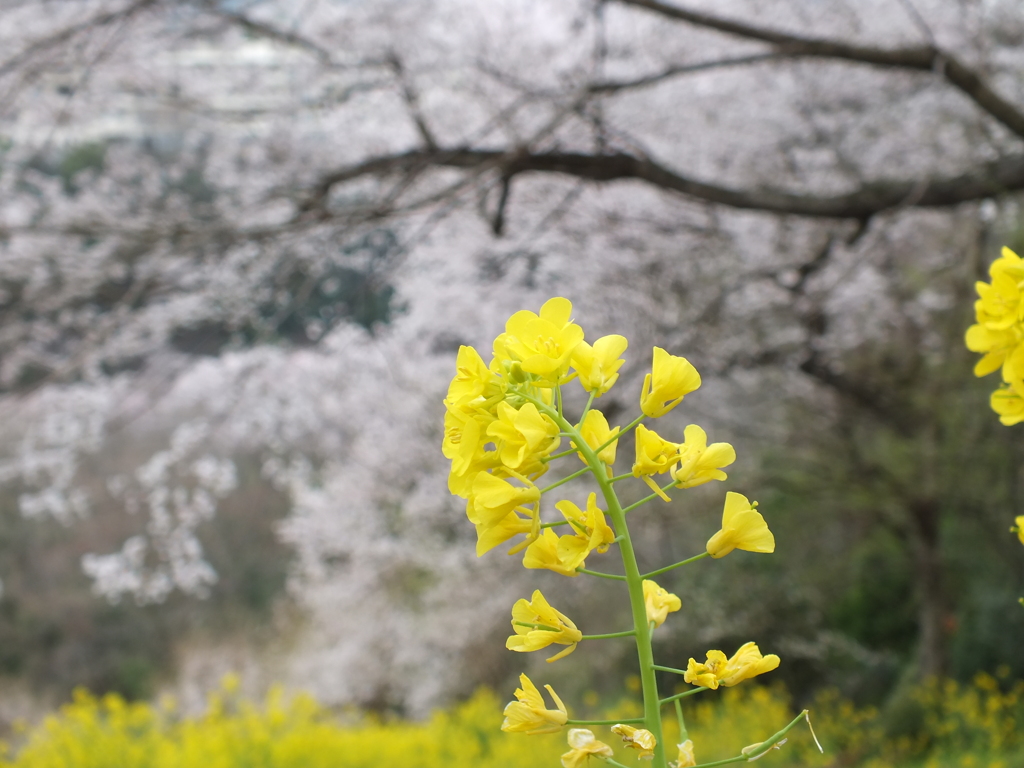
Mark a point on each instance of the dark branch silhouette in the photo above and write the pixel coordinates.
(928, 58)
(989, 180)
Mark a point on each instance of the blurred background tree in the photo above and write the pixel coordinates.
(240, 243)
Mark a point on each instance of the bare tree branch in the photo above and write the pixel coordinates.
(612, 86)
(63, 36)
(412, 102)
(927, 58)
(498, 222)
(871, 198)
(293, 39)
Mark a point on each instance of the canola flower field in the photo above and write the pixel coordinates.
(961, 726)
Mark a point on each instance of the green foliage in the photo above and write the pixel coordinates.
(877, 608)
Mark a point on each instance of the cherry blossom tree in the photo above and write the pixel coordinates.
(266, 227)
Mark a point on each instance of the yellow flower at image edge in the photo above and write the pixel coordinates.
(659, 602)
(718, 670)
(1019, 528)
(582, 745)
(1008, 405)
(537, 625)
(637, 738)
(742, 528)
(529, 715)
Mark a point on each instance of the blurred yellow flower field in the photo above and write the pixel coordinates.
(961, 726)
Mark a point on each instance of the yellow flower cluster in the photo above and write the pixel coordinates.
(504, 425)
(499, 442)
(998, 333)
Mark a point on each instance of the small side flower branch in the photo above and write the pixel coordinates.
(504, 426)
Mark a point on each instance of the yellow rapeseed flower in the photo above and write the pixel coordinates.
(564, 554)
(1009, 263)
(718, 670)
(464, 430)
(746, 663)
(1006, 402)
(637, 738)
(598, 365)
(1019, 528)
(544, 553)
(488, 537)
(537, 625)
(699, 462)
(671, 378)
(659, 602)
(473, 379)
(529, 715)
(997, 346)
(686, 757)
(591, 532)
(742, 528)
(595, 431)
(999, 304)
(523, 436)
(541, 344)
(583, 744)
(492, 499)
(706, 674)
(654, 455)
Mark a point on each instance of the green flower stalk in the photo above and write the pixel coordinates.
(504, 427)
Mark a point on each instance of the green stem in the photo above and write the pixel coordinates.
(668, 568)
(609, 635)
(634, 582)
(683, 733)
(565, 480)
(652, 497)
(605, 722)
(590, 402)
(613, 762)
(554, 456)
(602, 575)
(555, 524)
(764, 747)
(673, 670)
(683, 695)
(620, 433)
(620, 477)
